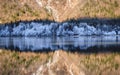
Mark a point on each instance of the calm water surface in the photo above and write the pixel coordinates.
(81, 43)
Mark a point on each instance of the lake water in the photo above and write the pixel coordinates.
(71, 43)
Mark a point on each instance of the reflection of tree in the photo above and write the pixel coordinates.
(117, 39)
(116, 29)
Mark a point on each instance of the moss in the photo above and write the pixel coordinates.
(116, 66)
(15, 55)
(31, 60)
(116, 4)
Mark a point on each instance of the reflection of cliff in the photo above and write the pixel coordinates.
(13, 10)
(60, 64)
(66, 43)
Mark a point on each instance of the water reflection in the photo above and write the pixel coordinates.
(83, 43)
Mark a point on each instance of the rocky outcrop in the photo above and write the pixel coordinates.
(60, 64)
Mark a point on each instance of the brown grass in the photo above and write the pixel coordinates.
(12, 63)
(22, 63)
(15, 10)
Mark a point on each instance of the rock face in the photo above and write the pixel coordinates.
(60, 64)
(14, 10)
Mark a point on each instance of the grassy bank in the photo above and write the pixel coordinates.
(26, 63)
(21, 63)
(15, 10)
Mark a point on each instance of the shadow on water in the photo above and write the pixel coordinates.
(83, 44)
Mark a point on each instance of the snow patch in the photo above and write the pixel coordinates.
(56, 29)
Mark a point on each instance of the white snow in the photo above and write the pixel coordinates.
(118, 32)
(109, 33)
(55, 29)
(5, 32)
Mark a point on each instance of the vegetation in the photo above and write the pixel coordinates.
(12, 10)
(102, 64)
(101, 8)
(12, 63)
(25, 63)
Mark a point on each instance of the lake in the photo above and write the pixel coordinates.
(68, 43)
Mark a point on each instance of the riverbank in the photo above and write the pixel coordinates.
(58, 62)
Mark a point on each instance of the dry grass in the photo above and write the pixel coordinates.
(17, 63)
(15, 10)
(22, 63)
(101, 64)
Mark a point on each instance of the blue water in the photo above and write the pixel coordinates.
(69, 43)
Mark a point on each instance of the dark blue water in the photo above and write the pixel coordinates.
(81, 43)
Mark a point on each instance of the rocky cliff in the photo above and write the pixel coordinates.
(58, 10)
